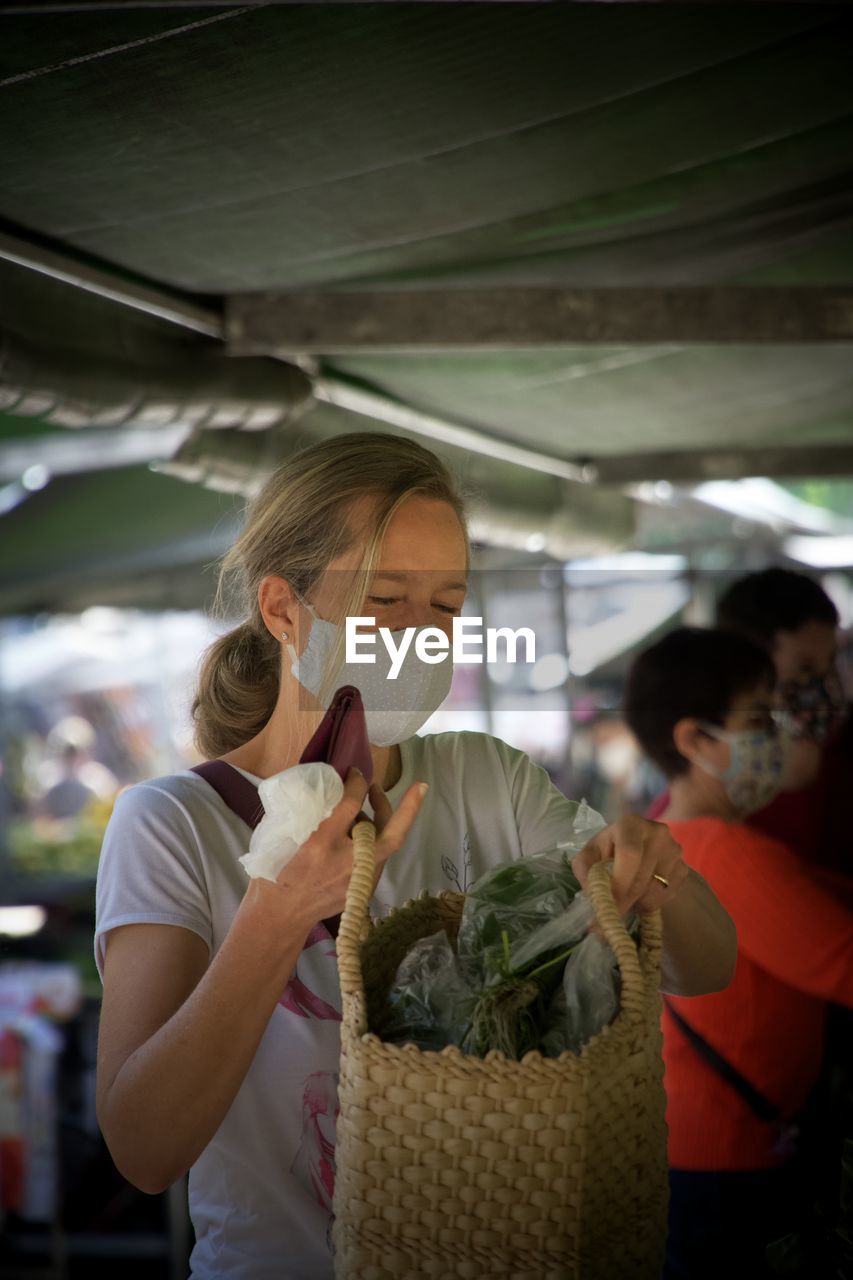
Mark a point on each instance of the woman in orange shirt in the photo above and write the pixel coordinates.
(700, 703)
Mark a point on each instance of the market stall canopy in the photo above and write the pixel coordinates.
(577, 247)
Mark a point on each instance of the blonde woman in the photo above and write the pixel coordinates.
(219, 1035)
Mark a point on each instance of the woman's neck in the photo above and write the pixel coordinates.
(691, 797)
(284, 737)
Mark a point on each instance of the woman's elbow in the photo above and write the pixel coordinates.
(145, 1175)
(715, 982)
(151, 1186)
(150, 1177)
(141, 1168)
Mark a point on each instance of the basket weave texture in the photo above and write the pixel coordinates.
(450, 1165)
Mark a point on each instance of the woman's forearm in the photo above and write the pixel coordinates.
(699, 942)
(170, 1096)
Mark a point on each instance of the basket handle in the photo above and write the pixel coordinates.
(599, 886)
(354, 921)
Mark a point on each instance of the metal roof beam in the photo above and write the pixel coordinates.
(445, 319)
(724, 464)
(109, 283)
(370, 404)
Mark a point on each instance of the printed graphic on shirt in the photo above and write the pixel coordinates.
(459, 880)
(314, 1162)
(304, 1003)
(297, 996)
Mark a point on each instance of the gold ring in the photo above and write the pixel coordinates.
(661, 880)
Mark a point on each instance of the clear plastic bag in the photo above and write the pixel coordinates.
(430, 1002)
(586, 1001)
(509, 906)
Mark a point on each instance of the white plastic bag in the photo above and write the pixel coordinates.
(295, 802)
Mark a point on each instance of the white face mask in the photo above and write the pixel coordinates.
(394, 709)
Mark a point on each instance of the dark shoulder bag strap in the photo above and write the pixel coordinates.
(755, 1100)
(241, 796)
(238, 792)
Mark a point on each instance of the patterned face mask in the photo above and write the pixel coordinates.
(754, 775)
(813, 709)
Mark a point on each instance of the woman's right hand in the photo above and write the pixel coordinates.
(316, 878)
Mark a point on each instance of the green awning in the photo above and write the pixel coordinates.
(207, 152)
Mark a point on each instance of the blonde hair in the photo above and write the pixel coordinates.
(295, 526)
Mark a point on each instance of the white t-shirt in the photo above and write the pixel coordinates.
(260, 1193)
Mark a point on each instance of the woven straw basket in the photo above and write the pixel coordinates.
(453, 1165)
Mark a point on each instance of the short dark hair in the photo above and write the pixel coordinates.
(692, 671)
(762, 604)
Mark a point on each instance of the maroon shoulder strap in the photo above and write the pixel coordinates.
(241, 796)
(238, 792)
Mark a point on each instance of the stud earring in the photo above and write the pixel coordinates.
(291, 652)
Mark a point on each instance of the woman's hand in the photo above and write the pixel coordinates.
(699, 938)
(317, 876)
(640, 850)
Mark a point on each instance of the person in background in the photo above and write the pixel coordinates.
(69, 795)
(740, 1063)
(795, 621)
(76, 777)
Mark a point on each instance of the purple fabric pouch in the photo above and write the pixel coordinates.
(341, 737)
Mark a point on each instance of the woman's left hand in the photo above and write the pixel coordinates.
(699, 937)
(640, 851)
